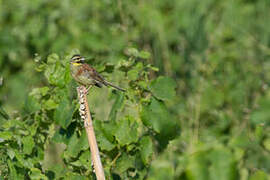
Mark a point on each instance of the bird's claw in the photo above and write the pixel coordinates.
(87, 90)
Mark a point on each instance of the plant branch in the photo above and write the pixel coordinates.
(86, 116)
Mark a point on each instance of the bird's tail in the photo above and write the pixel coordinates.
(106, 83)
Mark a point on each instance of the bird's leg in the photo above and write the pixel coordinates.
(88, 88)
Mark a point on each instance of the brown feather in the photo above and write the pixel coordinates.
(79, 71)
(93, 73)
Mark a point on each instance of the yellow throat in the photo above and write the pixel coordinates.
(76, 64)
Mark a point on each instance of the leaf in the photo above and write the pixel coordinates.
(31, 105)
(222, 164)
(259, 175)
(6, 135)
(55, 73)
(261, 115)
(50, 104)
(85, 158)
(132, 52)
(212, 97)
(36, 173)
(127, 131)
(266, 144)
(155, 115)
(10, 153)
(22, 161)
(161, 169)
(58, 170)
(241, 141)
(133, 74)
(197, 167)
(3, 114)
(146, 147)
(144, 55)
(75, 176)
(44, 90)
(52, 58)
(163, 88)
(116, 106)
(124, 162)
(28, 144)
(12, 170)
(63, 114)
(104, 143)
(104, 134)
(76, 144)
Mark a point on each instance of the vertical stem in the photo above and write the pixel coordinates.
(86, 116)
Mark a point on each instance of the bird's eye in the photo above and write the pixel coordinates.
(75, 57)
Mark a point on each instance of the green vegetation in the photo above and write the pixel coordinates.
(197, 76)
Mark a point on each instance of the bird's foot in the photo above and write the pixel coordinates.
(87, 90)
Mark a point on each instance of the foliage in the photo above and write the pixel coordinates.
(197, 79)
(51, 116)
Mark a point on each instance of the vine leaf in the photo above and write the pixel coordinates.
(163, 88)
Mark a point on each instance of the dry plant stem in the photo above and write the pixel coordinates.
(86, 116)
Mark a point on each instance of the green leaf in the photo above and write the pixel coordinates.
(85, 158)
(104, 134)
(31, 105)
(23, 161)
(266, 144)
(50, 104)
(163, 88)
(212, 97)
(74, 176)
(124, 162)
(261, 115)
(28, 144)
(56, 74)
(76, 144)
(63, 114)
(241, 141)
(3, 114)
(52, 58)
(6, 135)
(72, 149)
(116, 106)
(12, 170)
(10, 153)
(44, 90)
(197, 167)
(133, 74)
(104, 143)
(144, 55)
(259, 175)
(37, 174)
(146, 147)
(155, 115)
(127, 131)
(222, 164)
(161, 169)
(59, 170)
(67, 75)
(132, 52)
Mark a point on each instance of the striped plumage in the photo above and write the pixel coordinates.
(86, 75)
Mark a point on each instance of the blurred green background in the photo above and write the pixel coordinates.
(217, 52)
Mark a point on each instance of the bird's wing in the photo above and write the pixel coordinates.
(93, 73)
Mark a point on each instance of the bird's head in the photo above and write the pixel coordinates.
(77, 60)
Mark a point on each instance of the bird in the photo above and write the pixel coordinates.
(86, 75)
